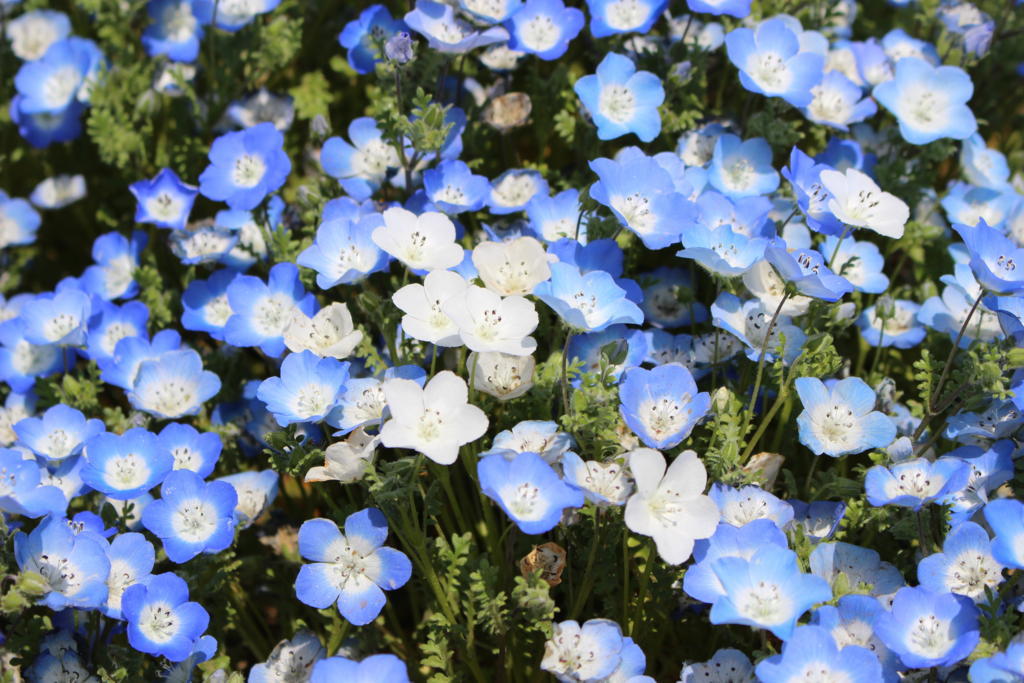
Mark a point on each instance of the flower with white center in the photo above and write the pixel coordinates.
(725, 666)
(513, 267)
(125, 465)
(609, 17)
(742, 168)
(363, 403)
(346, 461)
(669, 504)
(841, 420)
(544, 28)
(929, 102)
(768, 288)
(352, 569)
(929, 629)
(857, 566)
(192, 450)
(164, 200)
(260, 107)
(489, 322)
(59, 433)
(662, 405)
(16, 407)
(192, 516)
(256, 492)
(749, 321)
(173, 385)
(588, 302)
(34, 32)
(590, 652)
(858, 202)
(435, 419)
(743, 505)
(772, 63)
(837, 102)
(291, 660)
(262, 311)
(74, 568)
(245, 166)
(602, 483)
(161, 620)
(622, 100)
(25, 488)
(528, 489)
(811, 654)
(501, 375)
(423, 306)
(914, 483)
(330, 333)
(850, 623)
(362, 166)
(52, 83)
(58, 318)
(308, 388)
(965, 566)
(448, 33)
(513, 189)
(700, 582)
(131, 561)
(424, 242)
(204, 245)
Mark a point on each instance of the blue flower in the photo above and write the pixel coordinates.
(948, 312)
(700, 582)
(590, 302)
(609, 17)
(192, 450)
(20, 221)
(965, 566)
(928, 102)
(176, 31)
(351, 569)
(837, 102)
(131, 561)
(915, 482)
(127, 465)
(362, 166)
(858, 565)
(669, 295)
(749, 320)
(891, 324)
(590, 652)
(849, 623)
(812, 649)
(536, 436)
(343, 252)
(994, 258)
(308, 389)
(192, 516)
(990, 469)
(262, 310)
(1000, 667)
(74, 567)
(819, 519)
(232, 17)
(173, 385)
(110, 324)
(721, 250)
(362, 402)
(362, 35)
(662, 405)
(744, 505)
(804, 175)
(164, 200)
(748, 216)
(929, 629)
(448, 33)
(386, 668)
(861, 263)
(983, 165)
(22, 493)
(1006, 517)
(206, 304)
(161, 620)
(590, 351)
(527, 489)
(52, 83)
(726, 659)
(59, 318)
(122, 369)
(36, 30)
(558, 217)
(256, 492)
(245, 166)
(807, 270)
(772, 63)
(453, 188)
(544, 28)
(116, 259)
(742, 168)
(841, 420)
(491, 11)
(512, 190)
(968, 204)
(733, 8)
(59, 433)
(620, 99)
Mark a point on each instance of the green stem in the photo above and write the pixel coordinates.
(588, 573)
(760, 364)
(565, 374)
(952, 352)
(835, 252)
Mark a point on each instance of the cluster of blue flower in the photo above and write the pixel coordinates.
(785, 266)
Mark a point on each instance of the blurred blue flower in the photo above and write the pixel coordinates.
(620, 99)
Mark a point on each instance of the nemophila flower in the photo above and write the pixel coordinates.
(749, 321)
(173, 385)
(363, 402)
(929, 102)
(983, 165)
(423, 305)
(588, 652)
(772, 63)
(893, 324)
(1002, 666)
(512, 267)
(662, 405)
(122, 368)
(32, 33)
(741, 506)
(59, 433)
(965, 566)
(261, 312)
(836, 102)
(899, 45)
(330, 333)
(489, 322)
(131, 559)
(501, 375)
(111, 323)
(732, 664)
(447, 33)
(620, 99)
(858, 202)
(161, 620)
(544, 28)
(19, 222)
(804, 176)
(948, 312)
(558, 217)
(733, 8)
(53, 82)
(74, 567)
(125, 465)
(588, 302)
(346, 461)
(811, 653)
(841, 420)
(700, 582)
(721, 250)
(602, 483)
(747, 216)
(860, 263)
(1006, 517)
(513, 189)
(343, 251)
(363, 36)
(766, 591)
(535, 436)
(850, 623)
(192, 516)
(175, 31)
(256, 492)
(527, 488)
(424, 242)
(860, 566)
(608, 17)
(991, 467)
(17, 406)
(819, 519)
(435, 419)
(453, 188)
(290, 659)
(307, 389)
(351, 569)
(59, 318)
(232, 16)
(21, 492)
(742, 168)
(808, 271)
(382, 668)
(929, 629)
(361, 166)
(204, 244)
(245, 166)
(192, 450)
(915, 482)
(669, 504)
(21, 361)
(610, 351)
(262, 106)
(116, 258)
(1001, 419)
(965, 203)
(994, 258)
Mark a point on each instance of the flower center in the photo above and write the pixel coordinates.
(763, 602)
(248, 171)
(195, 520)
(127, 472)
(540, 33)
(617, 103)
(158, 622)
(929, 636)
(664, 416)
(625, 14)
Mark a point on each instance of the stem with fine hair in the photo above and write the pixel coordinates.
(565, 374)
(760, 363)
(952, 353)
(835, 252)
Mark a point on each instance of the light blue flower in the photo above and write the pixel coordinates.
(362, 35)
(590, 351)
(748, 216)
(772, 63)
(812, 649)
(915, 482)
(700, 582)
(232, 17)
(542, 437)
(726, 659)
(308, 388)
(116, 258)
(928, 102)
(111, 323)
(59, 318)
(807, 271)
(53, 83)
(610, 17)
(19, 220)
(991, 467)
(512, 190)
(849, 623)
(262, 310)
(42, 129)
(386, 668)
(129, 354)
(175, 31)
(1000, 667)
(948, 312)
(994, 258)
(983, 165)
(245, 166)
(256, 492)
(21, 492)
(206, 304)
(343, 251)
(749, 321)
(192, 450)
(558, 217)
(131, 561)
(721, 250)
(898, 327)
(804, 175)
(965, 566)
(362, 402)
(970, 204)
(192, 516)
(448, 33)
(662, 405)
(588, 303)
(929, 629)
(622, 100)
(161, 620)
(819, 519)
(352, 569)
(74, 567)
(588, 652)
(164, 200)
(1006, 517)
(669, 298)
(836, 102)
(124, 466)
(361, 166)
(173, 385)
(858, 565)
(527, 489)
(841, 420)
(454, 189)
(742, 168)
(544, 28)
(733, 8)
(743, 505)
(860, 263)
(59, 433)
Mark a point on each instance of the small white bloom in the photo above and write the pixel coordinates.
(501, 375)
(58, 191)
(859, 202)
(765, 284)
(513, 267)
(346, 461)
(330, 333)
(423, 306)
(424, 242)
(488, 322)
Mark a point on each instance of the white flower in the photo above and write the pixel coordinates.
(765, 284)
(330, 333)
(346, 461)
(501, 375)
(488, 322)
(424, 317)
(669, 506)
(859, 202)
(424, 242)
(434, 420)
(513, 267)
